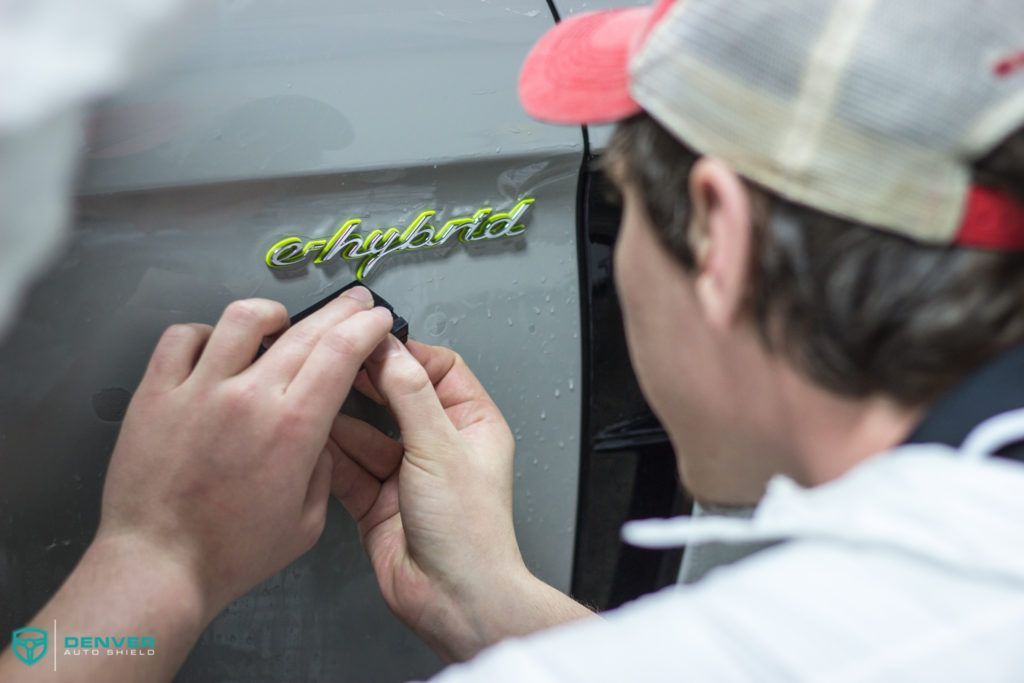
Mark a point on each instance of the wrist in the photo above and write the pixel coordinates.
(126, 589)
(156, 580)
(509, 604)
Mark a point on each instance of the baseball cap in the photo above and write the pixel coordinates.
(869, 110)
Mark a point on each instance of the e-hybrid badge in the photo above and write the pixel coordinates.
(369, 248)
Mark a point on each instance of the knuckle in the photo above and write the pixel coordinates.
(175, 344)
(253, 312)
(343, 342)
(303, 337)
(291, 424)
(348, 302)
(276, 309)
(240, 397)
(458, 361)
(178, 334)
(242, 312)
(411, 378)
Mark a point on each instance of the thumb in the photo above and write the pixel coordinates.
(314, 508)
(405, 386)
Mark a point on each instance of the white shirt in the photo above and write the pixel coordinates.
(908, 568)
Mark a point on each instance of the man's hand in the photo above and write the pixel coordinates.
(435, 511)
(221, 463)
(219, 479)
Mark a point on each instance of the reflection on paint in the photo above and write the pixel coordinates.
(368, 249)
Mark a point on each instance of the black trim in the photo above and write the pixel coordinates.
(586, 364)
(554, 11)
(627, 466)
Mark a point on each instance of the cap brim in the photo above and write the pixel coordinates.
(578, 72)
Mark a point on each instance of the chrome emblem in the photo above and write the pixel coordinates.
(349, 244)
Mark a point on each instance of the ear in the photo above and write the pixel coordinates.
(720, 234)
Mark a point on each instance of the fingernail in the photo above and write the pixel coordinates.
(360, 294)
(384, 313)
(389, 347)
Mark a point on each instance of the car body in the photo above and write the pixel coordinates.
(283, 123)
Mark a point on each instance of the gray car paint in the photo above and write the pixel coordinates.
(285, 117)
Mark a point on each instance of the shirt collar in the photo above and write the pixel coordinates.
(925, 500)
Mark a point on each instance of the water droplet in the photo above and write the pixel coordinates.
(510, 322)
(572, 385)
(436, 323)
(543, 415)
(558, 393)
(561, 444)
(547, 297)
(532, 328)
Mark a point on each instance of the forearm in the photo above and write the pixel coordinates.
(118, 590)
(518, 605)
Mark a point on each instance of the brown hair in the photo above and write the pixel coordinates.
(859, 310)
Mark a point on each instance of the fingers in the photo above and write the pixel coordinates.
(326, 377)
(237, 336)
(439, 362)
(289, 353)
(356, 488)
(315, 506)
(436, 360)
(371, 449)
(175, 355)
(464, 398)
(364, 386)
(454, 381)
(400, 378)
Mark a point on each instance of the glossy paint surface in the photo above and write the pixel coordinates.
(285, 118)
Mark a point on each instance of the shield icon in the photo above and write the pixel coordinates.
(29, 644)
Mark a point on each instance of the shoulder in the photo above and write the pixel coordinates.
(808, 609)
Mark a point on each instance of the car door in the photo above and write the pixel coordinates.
(285, 120)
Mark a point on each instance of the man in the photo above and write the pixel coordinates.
(819, 260)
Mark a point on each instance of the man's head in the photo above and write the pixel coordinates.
(810, 213)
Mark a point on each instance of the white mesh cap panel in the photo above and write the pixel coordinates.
(870, 109)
